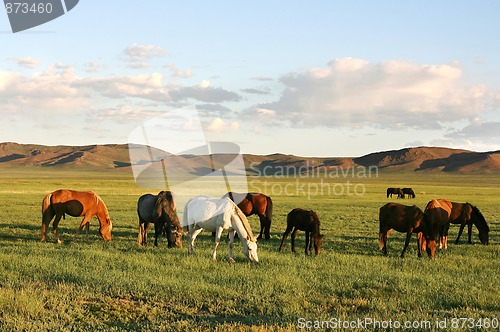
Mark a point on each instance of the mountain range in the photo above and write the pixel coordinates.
(116, 157)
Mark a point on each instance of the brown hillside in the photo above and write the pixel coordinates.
(116, 156)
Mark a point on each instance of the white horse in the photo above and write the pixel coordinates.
(215, 215)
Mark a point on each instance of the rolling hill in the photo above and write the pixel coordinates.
(116, 157)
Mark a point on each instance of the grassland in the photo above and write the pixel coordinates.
(116, 286)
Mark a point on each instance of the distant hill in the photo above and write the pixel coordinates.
(116, 157)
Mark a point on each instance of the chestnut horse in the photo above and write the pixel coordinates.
(255, 203)
(303, 220)
(76, 204)
(464, 214)
(402, 218)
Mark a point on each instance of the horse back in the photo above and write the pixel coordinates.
(400, 217)
(145, 206)
(304, 220)
(74, 203)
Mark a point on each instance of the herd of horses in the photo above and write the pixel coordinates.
(400, 192)
(230, 213)
(200, 213)
(431, 225)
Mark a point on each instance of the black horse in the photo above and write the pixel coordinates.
(409, 192)
(394, 191)
(161, 211)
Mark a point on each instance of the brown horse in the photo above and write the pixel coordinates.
(464, 214)
(165, 218)
(255, 203)
(438, 221)
(402, 218)
(303, 220)
(76, 204)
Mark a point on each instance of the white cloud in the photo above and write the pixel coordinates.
(477, 136)
(139, 56)
(392, 94)
(27, 62)
(219, 125)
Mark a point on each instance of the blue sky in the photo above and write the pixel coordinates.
(322, 78)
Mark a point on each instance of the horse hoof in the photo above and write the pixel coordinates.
(231, 260)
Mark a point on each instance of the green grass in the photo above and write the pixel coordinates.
(120, 286)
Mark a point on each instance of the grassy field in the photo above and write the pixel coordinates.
(116, 286)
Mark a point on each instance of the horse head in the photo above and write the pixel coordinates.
(250, 250)
(318, 242)
(480, 222)
(105, 229)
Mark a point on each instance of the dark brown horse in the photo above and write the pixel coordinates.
(402, 218)
(465, 214)
(161, 211)
(438, 221)
(394, 191)
(165, 218)
(255, 203)
(303, 220)
(76, 204)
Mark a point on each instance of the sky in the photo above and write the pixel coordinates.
(315, 78)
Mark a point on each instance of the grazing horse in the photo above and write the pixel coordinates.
(402, 218)
(465, 214)
(395, 191)
(438, 221)
(161, 211)
(303, 220)
(255, 203)
(409, 192)
(216, 215)
(76, 204)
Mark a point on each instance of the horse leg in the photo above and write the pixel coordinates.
(443, 240)
(55, 224)
(470, 233)
(85, 222)
(262, 226)
(462, 226)
(294, 235)
(407, 242)
(218, 234)
(46, 218)
(231, 246)
(193, 233)
(420, 237)
(383, 235)
(158, 229)
(267, 228)
(285, 235)
(308, 244)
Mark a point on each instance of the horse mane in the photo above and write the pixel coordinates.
(244, 221)
(479, 221)
(165, 203)
(316, 224)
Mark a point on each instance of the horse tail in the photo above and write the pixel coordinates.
(269, 209)
(381, 234)
(46, 203)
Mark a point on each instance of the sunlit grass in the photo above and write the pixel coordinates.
(118, 285)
